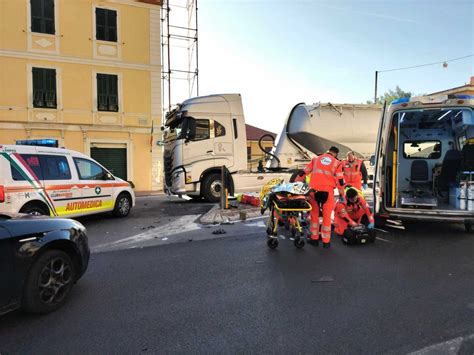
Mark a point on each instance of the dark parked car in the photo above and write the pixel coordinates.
(40, 260)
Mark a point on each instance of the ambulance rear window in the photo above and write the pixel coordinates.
(24, 167)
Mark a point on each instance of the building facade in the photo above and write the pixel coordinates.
(87, 73)
(254, 153)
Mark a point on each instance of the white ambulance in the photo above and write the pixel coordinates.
(39, 178)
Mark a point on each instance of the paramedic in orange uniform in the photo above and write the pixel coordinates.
(352, 212)
(354, 171)
(325, 175)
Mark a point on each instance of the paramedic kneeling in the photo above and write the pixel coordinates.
(325, 173)
(351, 213)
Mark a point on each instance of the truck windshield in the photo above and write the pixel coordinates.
(175, 128)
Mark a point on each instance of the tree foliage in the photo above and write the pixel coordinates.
(391, 95)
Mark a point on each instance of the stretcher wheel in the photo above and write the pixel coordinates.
(272, 243)
(299, 243)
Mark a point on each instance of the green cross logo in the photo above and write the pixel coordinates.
(98, 190)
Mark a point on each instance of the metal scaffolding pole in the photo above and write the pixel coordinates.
(179, 32)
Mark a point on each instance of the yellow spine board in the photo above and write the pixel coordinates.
(394, 167)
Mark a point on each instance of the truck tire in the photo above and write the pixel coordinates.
(212, 187)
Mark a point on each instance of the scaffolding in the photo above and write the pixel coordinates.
(179, 52)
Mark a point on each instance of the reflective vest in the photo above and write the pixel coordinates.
(356, 210)
(325, 171)
(352, 173)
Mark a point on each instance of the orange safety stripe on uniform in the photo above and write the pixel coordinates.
(325, 172)
(324, 228)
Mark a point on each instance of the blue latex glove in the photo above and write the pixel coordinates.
(341, 199)
(371, 226)
(365, 186)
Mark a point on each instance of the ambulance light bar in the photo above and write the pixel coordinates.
(39, 142)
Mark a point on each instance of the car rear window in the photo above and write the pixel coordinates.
(32, 161)
(45, 167)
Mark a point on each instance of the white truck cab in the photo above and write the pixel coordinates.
(36, 177)
(424, 161)
(202, 135)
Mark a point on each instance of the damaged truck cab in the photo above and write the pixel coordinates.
(202, 135)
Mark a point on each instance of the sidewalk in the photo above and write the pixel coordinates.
(149, 193)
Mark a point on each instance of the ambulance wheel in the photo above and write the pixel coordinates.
(272, 243)
(123, 205)
(299, 243)
(35, 209)
(468, 226)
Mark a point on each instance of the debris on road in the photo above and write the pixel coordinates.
(324, 279)
(219, 231)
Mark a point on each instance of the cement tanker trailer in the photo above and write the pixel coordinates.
(311, 129)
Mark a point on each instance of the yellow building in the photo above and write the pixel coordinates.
(88, 73)
(254, 153)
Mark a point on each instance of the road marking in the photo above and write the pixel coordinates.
(180, 225)
(384, 240)
(448, 347)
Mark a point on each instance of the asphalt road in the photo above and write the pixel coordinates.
(149, 213)
(232, 294)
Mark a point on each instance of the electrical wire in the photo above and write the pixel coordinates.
(425, 65)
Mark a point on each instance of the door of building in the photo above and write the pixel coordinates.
(113, 159)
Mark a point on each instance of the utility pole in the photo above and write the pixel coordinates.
(376, 79)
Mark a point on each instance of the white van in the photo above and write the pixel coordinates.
(424, 166)
(38, 179)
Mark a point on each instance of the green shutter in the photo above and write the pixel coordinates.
(114, 159)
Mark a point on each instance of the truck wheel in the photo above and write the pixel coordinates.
(35, 210)
(49, 282)
(123, 205)
(212, 187)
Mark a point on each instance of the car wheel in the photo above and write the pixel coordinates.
(35, 210)
(123, 205)
(212, 187)
(49, 282)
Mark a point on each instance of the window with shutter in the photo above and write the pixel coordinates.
(107, 92)
(106, 24)
(44, 88)
(42, 16)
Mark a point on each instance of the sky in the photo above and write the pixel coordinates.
(282, 52)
